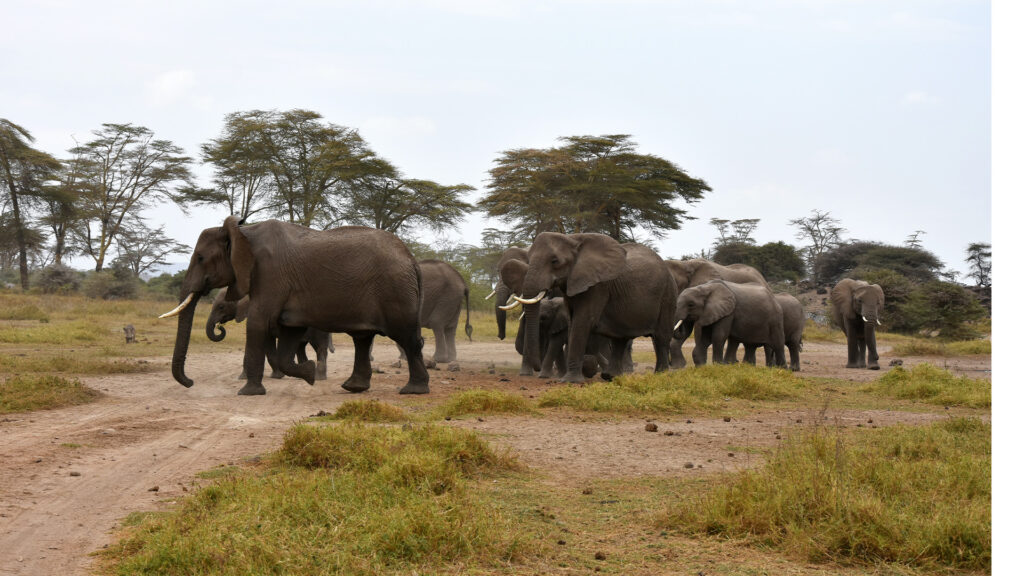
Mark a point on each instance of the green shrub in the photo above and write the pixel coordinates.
(369, 411)
(114, 284)
(483, 402)
(918, 496)
(58, 279)
(933, 385)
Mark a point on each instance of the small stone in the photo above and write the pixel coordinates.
(669, 433)
(561, 542)
(599, 556)
(154, 489)
(799, 420)
(651, 427)
(731, 455)
(689, 421)
(727, 419)
(252, 434)
(74, 473)
(778, 437)
(871, 421)
(688, 465)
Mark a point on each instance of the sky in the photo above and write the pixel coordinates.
(876, 111)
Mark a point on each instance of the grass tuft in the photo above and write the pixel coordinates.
(933, 385)
(344, 498)
(28, 311)
(483, 402)
(677, 391)
(369, 411)
(921, 347)
(25, 393)
(910, 495)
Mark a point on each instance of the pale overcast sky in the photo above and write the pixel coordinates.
(877, 111)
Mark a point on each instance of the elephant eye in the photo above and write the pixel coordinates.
(554, 260)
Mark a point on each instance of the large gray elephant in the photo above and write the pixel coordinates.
(792, 324)
(224, 311)
(720, 311)
(619, 291)
(352, 279)
(444, 290)
(697, 271)
(857, 308)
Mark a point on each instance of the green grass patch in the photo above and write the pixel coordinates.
(918, 496)
(933, 385)
(814, 332)
(24, 312)
(74, 364)
(31, 392)
(922, 347)
(677, 391)
(369, 411)
(63, 333)
(483, 402)
(342, 498)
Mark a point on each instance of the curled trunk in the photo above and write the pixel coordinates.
(181, 343)
(211, 326)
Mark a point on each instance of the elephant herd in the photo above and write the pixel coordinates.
(585, 298)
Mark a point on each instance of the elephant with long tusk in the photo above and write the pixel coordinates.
(857, 307)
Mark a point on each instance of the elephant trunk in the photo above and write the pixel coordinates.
(684, 329)
(181, 343)
(532, 343)
(502, 294)
(211, 325)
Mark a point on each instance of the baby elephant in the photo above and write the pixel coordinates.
(129, 334)
(793, 324)
(719, 311)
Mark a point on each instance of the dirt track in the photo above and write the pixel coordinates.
(68, 476)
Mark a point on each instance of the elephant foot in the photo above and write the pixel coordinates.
(321, 373)
(526, 371)
(415, 388)
(242, 376)
(607, 376)
(590, 366)
(277, 374)
(307, 371)
(794, 368)
(873, 367)
(854, 365)
(252, 390)
(356, 385)
(571, 378)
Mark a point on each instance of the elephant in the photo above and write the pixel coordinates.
(697, 271)
(856, 307)
(443, 293)
(793, 326)
(502, 291)
(618, 291)
(352, 279)
(224, 311)
(718, 311)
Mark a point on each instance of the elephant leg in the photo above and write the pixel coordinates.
(560, 365)
(288, 343)
(412, 343)
(662, 344)
(257, 343)
(579, 333)
(861, 353)
(449, 337)
(615, 363)
(275, 366)
(359, 381)
(794, 356)
(320, 346)
(851, 344)
(627, 358)
(675, 350)
(719, 336)
(732, 346)
(701, 341)
(872, 359)
(553, 349)
(440, 346)
(750, 355)
(525, 367)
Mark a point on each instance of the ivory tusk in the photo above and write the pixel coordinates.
(180, 307)
(879, 322)
(521, 315)
(865, 319)
(678, 324)
(507, 307)
(491, 295)
(538, 298)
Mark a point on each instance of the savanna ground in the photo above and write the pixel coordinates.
(586, 488)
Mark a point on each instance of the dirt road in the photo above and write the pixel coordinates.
(68, 476)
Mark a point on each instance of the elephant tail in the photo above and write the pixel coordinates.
(330, 342)
(469, 328)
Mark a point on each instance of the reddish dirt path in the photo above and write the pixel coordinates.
(68, 476)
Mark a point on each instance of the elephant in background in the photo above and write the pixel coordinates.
(792, 324)
(351, 279)
(224, 311)
(721, 311)
(443, 293)
(697, 271)
(857, 307)
(618, 291)
(503, 290)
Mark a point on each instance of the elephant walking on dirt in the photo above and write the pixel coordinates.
(857, 308)
(697, 271)
(444, 291)
(224, 311)
(352, 279)
(619, 291)
(792, 325)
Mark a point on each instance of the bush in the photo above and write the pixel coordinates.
(775, 261)
(58, 279)
(914, 263)
(114, 284)
(945, 307)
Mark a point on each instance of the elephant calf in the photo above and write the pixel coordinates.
(792, 324)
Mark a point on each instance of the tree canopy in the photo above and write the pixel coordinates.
(856, 258)
(589, 184)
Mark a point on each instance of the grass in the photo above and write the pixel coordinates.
(74, 363)
(34, 392)
(343, 498)
(922, 347)
(934, 386)
(483, 402)
(903, 495)
(701, 388)
(369, 411)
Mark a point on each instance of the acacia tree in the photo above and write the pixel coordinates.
(824, 233)
(590, 184)
(122, 171)
(140, 248)
(23, 173)
(979, 257)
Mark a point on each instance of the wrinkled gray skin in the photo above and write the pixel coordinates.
(224, 311)
(444, 291)
(720, 311)
(857, 308)
(352, 279)
(697, 271)
(619, 291)
(792, 324)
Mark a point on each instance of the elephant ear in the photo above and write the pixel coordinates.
(242, 260)
(599, 258)
(842, 298)
(719, 302)
(512, 274)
